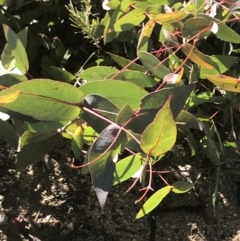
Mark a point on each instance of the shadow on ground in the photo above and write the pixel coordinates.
(59, 204)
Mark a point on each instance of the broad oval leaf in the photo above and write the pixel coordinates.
(160, 136)
(118, 92)
(8, 98)
(46, 100)
(182, 187)
(152, 102)
(198, 27)
(153, 201)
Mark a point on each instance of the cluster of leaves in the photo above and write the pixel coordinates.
(177, 57)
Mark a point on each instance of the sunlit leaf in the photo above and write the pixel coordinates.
(182, 187)
(224, 32)
(8, 98)
(124, 115)
(160, 136)
(51, 101)
(225, 82)
(126, 167)
(123, 62)
(154, 201)
(167, 18)
(197, 57)
(129, 20)
(118, 92)
(97, 73)
(145, 35)
(153, 64)
(77, 142)
(223, 62)
(17, 49)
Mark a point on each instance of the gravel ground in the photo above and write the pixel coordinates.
(60, 204)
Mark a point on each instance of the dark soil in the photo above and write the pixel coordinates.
(58, 203)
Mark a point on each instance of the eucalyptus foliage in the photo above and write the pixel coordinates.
(165, 60)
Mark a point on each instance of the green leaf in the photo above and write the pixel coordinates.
(39, 127)
(123, 62)
(7, 59)
(138, 78)
(97, 73)
(102, 106)
(8, 132)
(29, 137)
(58, 74)
(129, 20)
(167, 18)
(211, 149)
(46, 100)
(189, 120)
(23, 36)
(89, 134)
(8, 80)
(204, 97)
(34, 152)
(126, 168)
(198, 27)
(154, 201)
(225, 33)
(199, 5)
(225, 82)
(100, 159)
(109, 21)
(124, 115)
(223, 62)
(157, 99)
(17, 49)
(145, 35)
(182, 187)
(153, 64)
(118, 92)
(152, 102)
(160, 136)
(198, 57)
(77, 142)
